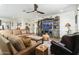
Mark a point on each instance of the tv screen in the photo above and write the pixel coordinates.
(47, 25)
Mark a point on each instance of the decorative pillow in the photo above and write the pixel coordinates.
(14, 51)
(26, 41)
(17, 43)
(6, 35)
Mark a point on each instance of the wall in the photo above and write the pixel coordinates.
(34, 27)
(5, 22)
(24, 20)
(78, 21)
(66, 17)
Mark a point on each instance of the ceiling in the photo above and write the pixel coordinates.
(16, 10)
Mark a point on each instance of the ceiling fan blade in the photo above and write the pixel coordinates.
(30, 12)
(40, 12)
(24, 10)
(35, 9)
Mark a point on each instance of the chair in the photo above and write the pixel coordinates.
(58, 49)
(71, 47)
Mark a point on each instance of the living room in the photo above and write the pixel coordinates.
(39, 29)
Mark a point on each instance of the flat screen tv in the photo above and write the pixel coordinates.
(47, 25)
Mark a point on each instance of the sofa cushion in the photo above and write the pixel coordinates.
(4, 45)
(8, 46)
(16, 42)
(26, 40)
(29, 50)
(6, 35)
(13, 50)
(6, 31)
(23, 31)
(17, 32)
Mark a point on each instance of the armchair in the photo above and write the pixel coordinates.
(71, 47)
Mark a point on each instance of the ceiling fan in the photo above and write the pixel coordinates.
(35, 10)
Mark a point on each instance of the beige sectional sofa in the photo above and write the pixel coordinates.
(16, 42)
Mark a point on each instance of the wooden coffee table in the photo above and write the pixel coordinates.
(41, 50)
(33, 37)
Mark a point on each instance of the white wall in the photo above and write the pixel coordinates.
(5, 22)
(78, 21)
(35, 28)
(66, 17)
(24, 20)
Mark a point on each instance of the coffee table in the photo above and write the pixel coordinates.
(36, 38)
(33, 37)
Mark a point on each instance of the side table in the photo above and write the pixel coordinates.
(41, 50)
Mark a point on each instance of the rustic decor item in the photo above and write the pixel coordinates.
(68, 27)
(42, 50)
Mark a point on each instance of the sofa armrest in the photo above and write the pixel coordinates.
(28, 50)
(61, 44)
(60, 49)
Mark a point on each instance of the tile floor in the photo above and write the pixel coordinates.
(48, 43)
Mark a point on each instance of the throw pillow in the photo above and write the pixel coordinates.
(17, 43)
(26, 41)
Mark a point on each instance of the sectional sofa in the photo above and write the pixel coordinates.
(17, 42)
